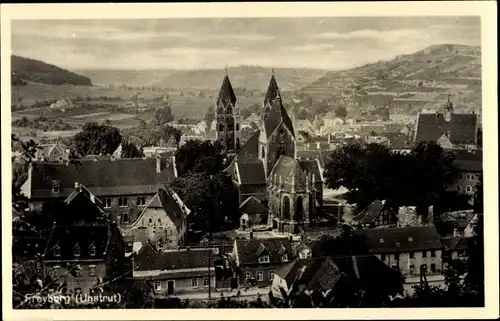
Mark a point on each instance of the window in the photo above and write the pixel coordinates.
(412, 269)
(237, 126)
(56, 186)
(284, 257)
(382, 257)
(122, 201)
(150, 221)
(433, 253)
(423, 267)
(458, 188)
(271, 275)
(221, 127)
(194, 283)
(412, 255)
(468, 189)
(57, 251)
(125, 218)
(260, 276)
(248, 275)
(206, 282)
(159, 222)
(460, 176)
(92, 250)
(76, 250)
(107, 202)
(141, 200)
(157, 286)
(433, 267)
(91, 270)
(264, 259)
(424, 254)
(469, 177)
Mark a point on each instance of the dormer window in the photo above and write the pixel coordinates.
(57, 251)
(92, 250)
(76, 251)
(264, 259)
(381, 241)
(284, 257)
(56, 186)
(410, 239)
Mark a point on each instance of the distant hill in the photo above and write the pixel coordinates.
(248, 77)
(24, 69)
(408, 83)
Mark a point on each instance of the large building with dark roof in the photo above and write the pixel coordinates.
(266, 166)
(449, 129)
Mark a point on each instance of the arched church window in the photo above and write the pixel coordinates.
(263, 152)
(237, 143)
(237, 127)
(311, 204)
(299, 209)
(221, 127)
(286, 208)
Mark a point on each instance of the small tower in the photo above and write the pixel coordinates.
(272, 94)
(227, 116)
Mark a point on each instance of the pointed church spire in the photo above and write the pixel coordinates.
(225, 69)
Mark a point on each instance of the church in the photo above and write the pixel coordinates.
(265, 167)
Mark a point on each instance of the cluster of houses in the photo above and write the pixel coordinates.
(120, 217)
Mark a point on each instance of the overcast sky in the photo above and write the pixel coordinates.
(329, 43)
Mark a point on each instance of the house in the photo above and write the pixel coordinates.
(469, 165)
(129, 104)
(323, 279)
(123, 185)
(304, 125)
(258, 259)
(454, 247)
(176, 272)
(254, 213)
(200, 128)
(52, 153)
(448, 129)
(409, 247)
(155, 151)
(162, 222)
(247, 122)
(84, 248)
(377, 214)
(455, 223)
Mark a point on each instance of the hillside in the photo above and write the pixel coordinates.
(24, 69)
(248, 77)
(407, 83)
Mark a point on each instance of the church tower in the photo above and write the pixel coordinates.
(227, 116)
(273, 94)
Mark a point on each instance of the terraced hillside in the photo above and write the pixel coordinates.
(407, 83)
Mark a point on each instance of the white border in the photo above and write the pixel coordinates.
(485, 9)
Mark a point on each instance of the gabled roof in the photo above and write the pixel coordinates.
(226, 93)
(461, 127)
(83, 236)
(249, 152)
(248, 250)
(385, 240)
(312, 167)
(252, 173)
(173, 206)
(288, 168)
(276, 116)
(148, 259)
(253, 205)
(454, 243)
(104, 177)
(371, 212)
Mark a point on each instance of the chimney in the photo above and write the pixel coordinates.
(158, 164)
(455, 232)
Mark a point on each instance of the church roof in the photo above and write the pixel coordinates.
(286, 168)
(276, 116)
(252, 173)
(461, 127)
(249, 152)
(226, 93)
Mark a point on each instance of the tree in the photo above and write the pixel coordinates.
(373, 172)
(199, 157)
(163, 115)
(97, 139)
(130, 150)
(341, 112)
